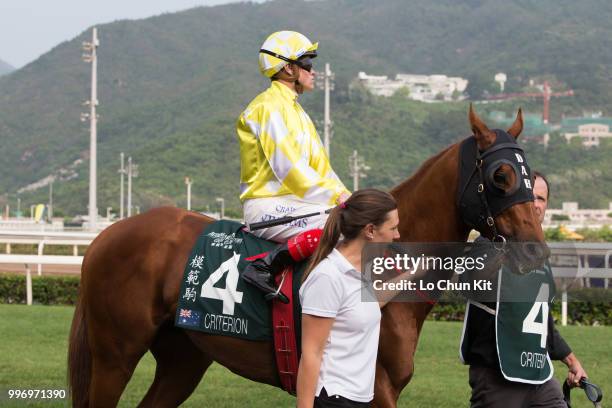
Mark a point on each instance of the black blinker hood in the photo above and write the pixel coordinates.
(475, 209)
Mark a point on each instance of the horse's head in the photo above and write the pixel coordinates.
(495, 192)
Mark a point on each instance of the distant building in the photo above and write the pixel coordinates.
(425, 88)
(590, 130)
(573, 216)
(534, 128)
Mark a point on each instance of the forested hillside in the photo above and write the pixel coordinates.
(171, 87)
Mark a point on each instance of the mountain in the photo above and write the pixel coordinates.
(171, 87)
(5, 68)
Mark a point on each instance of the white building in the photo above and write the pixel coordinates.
(590, 134)
(591, 130)
(426, 88)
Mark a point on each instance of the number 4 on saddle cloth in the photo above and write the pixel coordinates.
(214, 299)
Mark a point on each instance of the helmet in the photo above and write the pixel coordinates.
(283, 47)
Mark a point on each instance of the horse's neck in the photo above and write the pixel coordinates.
(426, 201)
(428, 213)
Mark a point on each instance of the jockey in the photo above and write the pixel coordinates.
(284, 168)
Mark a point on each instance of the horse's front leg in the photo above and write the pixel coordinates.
(399, 333)
(385, 393)
(390, 381)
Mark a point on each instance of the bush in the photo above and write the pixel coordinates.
(603, 234)
(450, 308)
(553, 235)
(46, 290)
(448, 312)
(586, 306)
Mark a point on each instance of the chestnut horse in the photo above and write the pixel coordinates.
(132, 274)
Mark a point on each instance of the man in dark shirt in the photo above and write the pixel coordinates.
(480, 348)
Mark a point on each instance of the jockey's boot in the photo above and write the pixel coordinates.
(260, 273)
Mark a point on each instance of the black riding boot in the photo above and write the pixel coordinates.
(260, 273)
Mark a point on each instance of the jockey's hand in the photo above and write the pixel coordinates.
(343, 197)
(576, 372)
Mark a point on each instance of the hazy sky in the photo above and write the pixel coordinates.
(29, 28)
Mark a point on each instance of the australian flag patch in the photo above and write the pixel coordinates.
(189, 317)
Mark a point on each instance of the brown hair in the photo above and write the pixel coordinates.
(367, 206)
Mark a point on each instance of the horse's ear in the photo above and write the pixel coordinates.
(517, 127)
(484, 136)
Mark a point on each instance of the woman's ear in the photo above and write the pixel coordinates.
(369, 231)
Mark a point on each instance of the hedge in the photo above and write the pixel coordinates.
(587, 306)
(46, 290)
(603, 234)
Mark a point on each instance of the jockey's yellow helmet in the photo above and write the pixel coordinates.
(283, 47)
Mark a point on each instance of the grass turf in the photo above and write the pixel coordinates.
(33, 344)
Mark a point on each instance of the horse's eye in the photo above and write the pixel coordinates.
(499, 178)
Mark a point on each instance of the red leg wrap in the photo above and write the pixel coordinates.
(304, 244)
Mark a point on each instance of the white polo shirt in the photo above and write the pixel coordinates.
(334, 289)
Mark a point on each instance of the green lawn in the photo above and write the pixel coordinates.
(33, 343)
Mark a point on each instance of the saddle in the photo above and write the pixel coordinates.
(214, 299)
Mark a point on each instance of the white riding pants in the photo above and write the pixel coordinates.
(266, 209)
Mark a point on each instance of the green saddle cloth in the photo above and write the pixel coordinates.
(214, 299)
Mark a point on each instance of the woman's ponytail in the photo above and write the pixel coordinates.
(329, 240)
(367, 206)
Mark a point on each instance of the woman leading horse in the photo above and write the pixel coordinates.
(340, 330)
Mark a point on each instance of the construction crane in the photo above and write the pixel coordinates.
(546, 94)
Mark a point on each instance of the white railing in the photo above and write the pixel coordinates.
(45, 238)
(570, 263)
(57, 225)
(49, 234)
(576, 254)
(24, 224)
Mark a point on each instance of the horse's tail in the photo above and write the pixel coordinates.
(79, 358)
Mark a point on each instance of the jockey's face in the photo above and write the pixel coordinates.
(306, 78)
(388, 230)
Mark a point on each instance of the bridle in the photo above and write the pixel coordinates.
(479, 200)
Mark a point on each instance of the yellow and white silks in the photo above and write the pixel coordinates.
(281, 156)
(281, 153)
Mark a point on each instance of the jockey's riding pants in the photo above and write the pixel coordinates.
(266, 209)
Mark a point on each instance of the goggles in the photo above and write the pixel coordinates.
(305, 62)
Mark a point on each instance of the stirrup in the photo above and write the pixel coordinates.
(278, 294)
